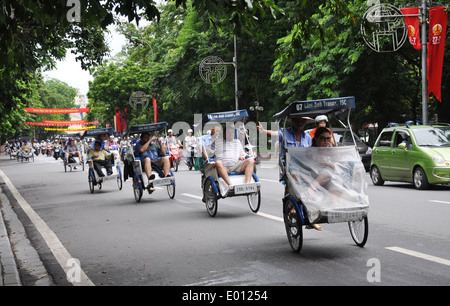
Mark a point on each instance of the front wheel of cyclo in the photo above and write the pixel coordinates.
(359, 231)
(293, 225)
(254, 201)
(171, 190)
(91, 181)
(210, 197)
(137, 188)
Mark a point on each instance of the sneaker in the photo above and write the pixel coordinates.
(152, 177)
(109, 173)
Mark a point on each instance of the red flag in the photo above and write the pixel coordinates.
(436, 47)
(154, 107)
(412, 24)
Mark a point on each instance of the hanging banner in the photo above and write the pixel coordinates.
(71, 130)
(412, 24)
(436, 47)
(59, 124)
(57, 110)
(69, 122)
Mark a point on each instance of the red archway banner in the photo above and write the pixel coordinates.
(68, 122)
(57, 110)
(59, 124)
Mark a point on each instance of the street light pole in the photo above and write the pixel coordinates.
(424, 63)
(143, 42)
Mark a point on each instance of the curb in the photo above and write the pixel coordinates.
(8, 267)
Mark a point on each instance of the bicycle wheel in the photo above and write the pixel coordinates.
(171, 190)
(254, 201)
(359, 231)
(137, 188)
(210, 198)
(292, 224)
(91, 181)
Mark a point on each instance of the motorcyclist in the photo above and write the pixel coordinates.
(189, 142)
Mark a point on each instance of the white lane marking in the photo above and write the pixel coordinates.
(270, 216)
(437, 201)
(258, 213)
(56, 247)
(272, 181)
(192, 196)
(420, 255)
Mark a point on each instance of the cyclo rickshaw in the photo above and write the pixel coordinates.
(71, 162)
(140, 180)
(213, 186)
(343, 197)
(93, 178)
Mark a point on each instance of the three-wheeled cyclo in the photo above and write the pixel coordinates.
(213, 185)
(323, 184)
(94, 179)
(136, 166)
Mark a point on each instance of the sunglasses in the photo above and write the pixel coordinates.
(323, 138)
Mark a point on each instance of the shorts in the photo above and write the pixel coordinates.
(236, 167)
(154, 161)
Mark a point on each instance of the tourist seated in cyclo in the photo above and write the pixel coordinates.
(231, 157)
(150, 149)
(72, 149)
(100, 158)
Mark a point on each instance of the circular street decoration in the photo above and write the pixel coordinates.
(139, 98)
(383, 28)
(213, 69)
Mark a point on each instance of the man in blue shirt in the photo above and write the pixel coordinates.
(151, 149)
(295, 135)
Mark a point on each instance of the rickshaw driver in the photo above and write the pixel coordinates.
(295, 135)
(152, 149)
(230, 157)
(208, 139)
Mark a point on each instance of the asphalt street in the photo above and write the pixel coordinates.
(174, 242)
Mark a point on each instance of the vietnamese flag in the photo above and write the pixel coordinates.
(412, 24)
(436, 48)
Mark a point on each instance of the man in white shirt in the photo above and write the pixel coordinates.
(230, 157)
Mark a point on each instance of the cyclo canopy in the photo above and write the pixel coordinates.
(329, 181)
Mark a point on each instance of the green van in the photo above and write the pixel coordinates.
(419, 154)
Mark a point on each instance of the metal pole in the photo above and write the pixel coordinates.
(424, 64)
(235, 76)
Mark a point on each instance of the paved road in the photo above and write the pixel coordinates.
(160, 241)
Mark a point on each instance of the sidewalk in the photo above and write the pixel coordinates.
(9, 273)
(20, 264)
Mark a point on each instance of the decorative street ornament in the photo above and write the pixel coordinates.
(383, 28)
(213, 69)
(139, 98)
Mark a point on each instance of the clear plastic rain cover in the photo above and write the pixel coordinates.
(330, 182)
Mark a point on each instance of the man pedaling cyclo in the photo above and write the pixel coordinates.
(151, 149)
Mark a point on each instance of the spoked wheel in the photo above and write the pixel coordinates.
(137, 188)
(210, 198)
(119, 183)
(91, 181)
(119, 178)
(293, 226)
(359, 231)
(254, 201)
(171, 190)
